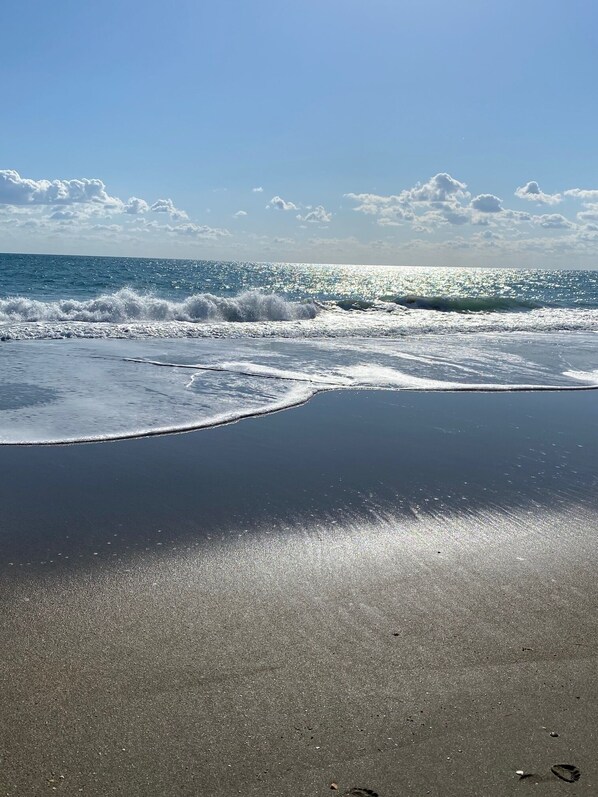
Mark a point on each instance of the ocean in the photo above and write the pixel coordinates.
(97, 348)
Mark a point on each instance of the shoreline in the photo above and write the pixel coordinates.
(85, 391)
(283, 407)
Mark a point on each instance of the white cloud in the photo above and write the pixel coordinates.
(591, 214)
(487, 203)
(444, 200)
(553, 221)
(17, 190)
(394, 216)
(589, 232)
(487, 235)
(73, 210)
(372, 204)
(587, 194)
(439, 199)
(440, 188)
(16, 221)
(454, 213)
(516, 215)
(391, 210)
(65, 214)
(335, 244)
(103, 228)
(136, 205)
(199, 231)
(146, 224)
(317, 215)
(167, 206)
(532, 192)
(258, 190)
(280, 204)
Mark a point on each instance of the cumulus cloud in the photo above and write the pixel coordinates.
(585, 194)
(73, 208)
(84, 198)
(136, 205)
(588, 234)
(553, 221)
(65, 215)
(394, 216)
(167, 206)
(532, 192)
(437, 201)
(487, 235)
(516, 215)
(589, 215)
(18, 222)
(443, 200)
(104, 228)
(454, 214)
(17, 190)
(280, 204)
(487, 203)
(440, 188)
(391, 210)
(199, 231)
(317, 215)
(372, 204)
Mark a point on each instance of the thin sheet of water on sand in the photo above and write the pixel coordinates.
(65, 391)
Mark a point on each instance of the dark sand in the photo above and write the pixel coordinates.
(392, 591)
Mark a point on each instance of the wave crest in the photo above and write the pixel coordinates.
(126, 305)
(443, 304)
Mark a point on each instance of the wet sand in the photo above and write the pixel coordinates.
(378, 590)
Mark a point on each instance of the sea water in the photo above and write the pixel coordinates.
(100, 348)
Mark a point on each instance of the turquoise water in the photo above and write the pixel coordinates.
(46, 296)
(64, 277)
(99, 348)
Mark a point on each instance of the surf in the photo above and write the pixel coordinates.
(127, 305)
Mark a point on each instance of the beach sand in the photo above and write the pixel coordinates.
(381, 590)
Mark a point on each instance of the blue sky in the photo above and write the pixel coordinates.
(373, 129)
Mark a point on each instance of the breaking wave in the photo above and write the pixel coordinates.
(127, 313)
(126, 306)
(442, 304)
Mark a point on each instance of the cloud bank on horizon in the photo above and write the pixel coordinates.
(437, 221)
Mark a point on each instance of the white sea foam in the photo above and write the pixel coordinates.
(326, 324)
(66, 391)
(128, 306)
(253, 314)
(583, 376)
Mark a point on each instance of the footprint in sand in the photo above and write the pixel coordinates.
(567, 772)
(360, 793)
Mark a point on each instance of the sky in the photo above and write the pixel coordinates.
(337, 131)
